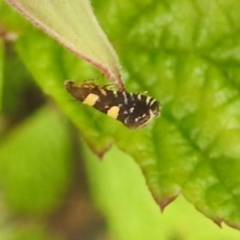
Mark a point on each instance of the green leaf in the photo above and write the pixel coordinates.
(1, 71)
(186, 54)
(29, 233)
(34, 162)
(74, 25)
(121, 194)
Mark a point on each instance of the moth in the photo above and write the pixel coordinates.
(134, 110)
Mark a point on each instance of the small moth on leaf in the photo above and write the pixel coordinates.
(134, 110)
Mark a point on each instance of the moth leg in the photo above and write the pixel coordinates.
(110, 87)
(93, 80)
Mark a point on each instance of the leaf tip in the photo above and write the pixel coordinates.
(101, 151)
(218, 221)
(163, 203)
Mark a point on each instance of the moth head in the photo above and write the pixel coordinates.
(142, 115)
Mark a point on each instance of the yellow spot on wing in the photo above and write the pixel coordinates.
(113, 112)
(103, 91)
(91, 99)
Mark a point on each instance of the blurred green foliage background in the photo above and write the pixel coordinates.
(52, 186)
